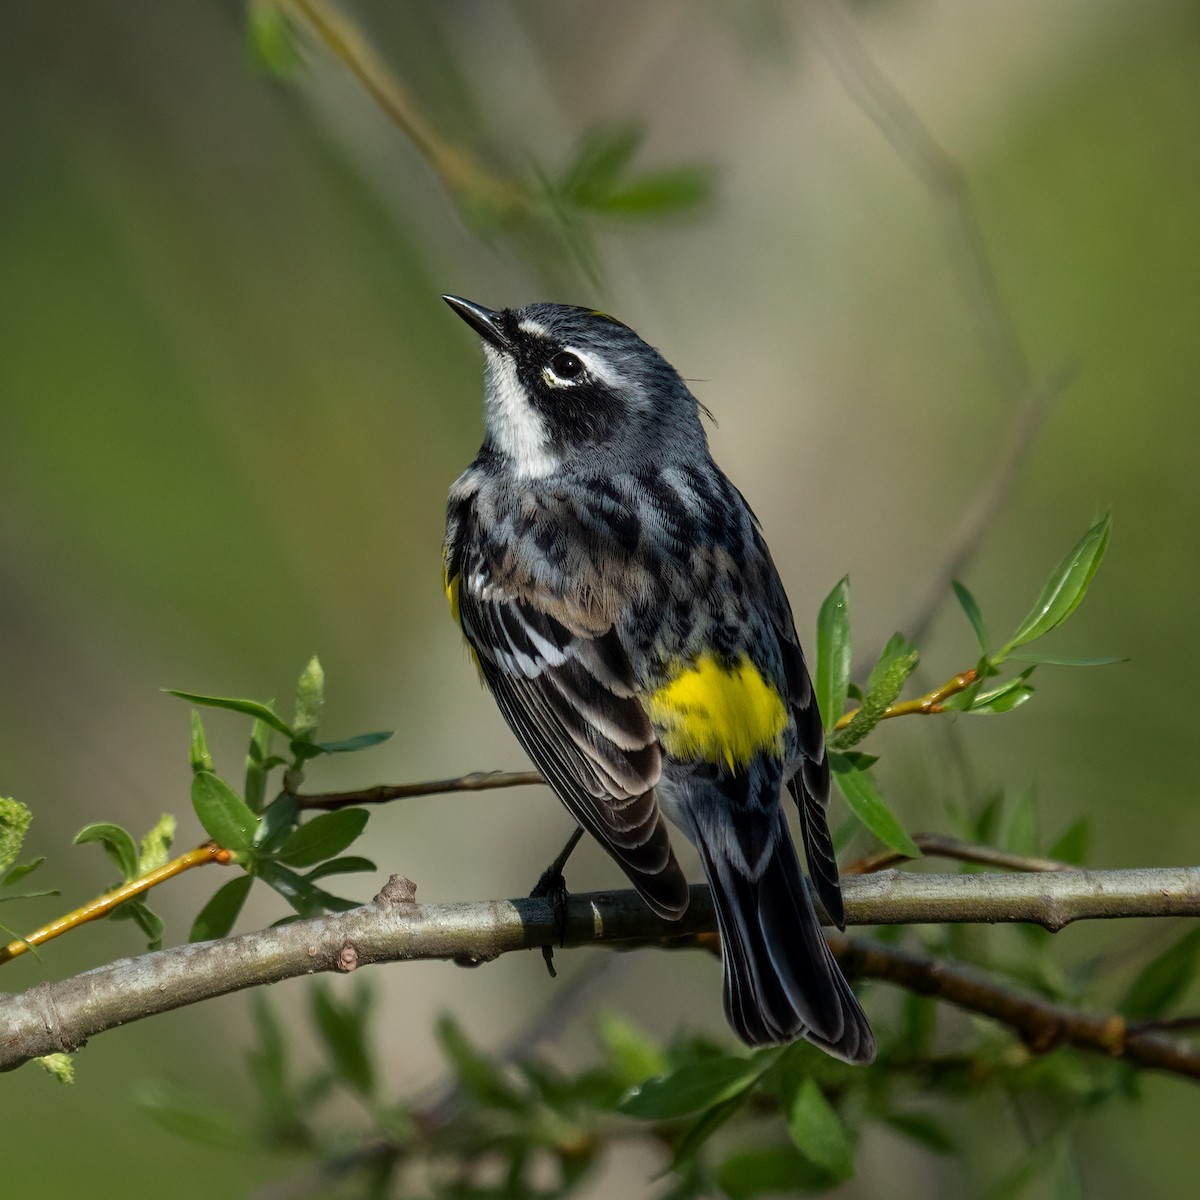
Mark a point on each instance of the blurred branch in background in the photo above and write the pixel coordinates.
(59, 1017)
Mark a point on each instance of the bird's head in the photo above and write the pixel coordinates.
(569, 388)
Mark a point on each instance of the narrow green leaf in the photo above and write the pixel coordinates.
(197, 1120)
(279, 818)
(1004, 698)
(833, 653)
(658, 193)
(117, 843)
(1066, 587)
(21, 870)
(258, 754)
(599, 163)
(1067, 660)
(477, 1074)
(251, 708)
(223, 813)
(818, 1131)
(691, 1088)
(310, 699)
(201, 759)
(271, 39)
(343, 1030)
(632, 1055)
(307, 899)
(769, 1170)
(1073, 846)
(150, 923)
(216, 918)
(867, 805)
(704, 1127)
(1164, 979)
(340, 866)
(974, 614)
(323, 837)
(920, 1127)
(1019, 823)
(351, 744)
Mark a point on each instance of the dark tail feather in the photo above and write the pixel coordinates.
(781, 980)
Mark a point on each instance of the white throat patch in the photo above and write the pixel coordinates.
(515, 426)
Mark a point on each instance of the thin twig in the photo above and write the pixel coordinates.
(1042, 1025)
(384, 793)
(939, 845)
(61, 1016)
(202, 856)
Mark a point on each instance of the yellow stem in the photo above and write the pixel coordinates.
(925, 705)
(210, 852)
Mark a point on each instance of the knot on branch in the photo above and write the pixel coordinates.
(397, 890)
(347, 957)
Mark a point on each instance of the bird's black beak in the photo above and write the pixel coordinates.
(488, 324)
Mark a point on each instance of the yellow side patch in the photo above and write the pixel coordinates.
(451, 586)
(718, 712)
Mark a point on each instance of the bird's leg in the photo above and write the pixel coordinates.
(553, 886)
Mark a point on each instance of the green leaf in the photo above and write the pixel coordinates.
(323, 837)
(1164, 979)
(155, 848)
(251, 708)
(181, 1113)
(150, 923)
(279, 818)
(1009, 695)
(478, 1076)
(818, 1131)
(304, 897)
(1019, 823)
(351, 744)
(201, 759)
(599, 163)
(888, 676)
(691, 1088)
(117, 843)
(833, 653)
(216, 918)
(974, 614)
(920, 1127)
(343, 1030)
(1066, 587)
(704, 1127)
(1066, 660)
(1072, 847)
(223, 813)
(867, 805)
(771, 1169)
(14, 825)
(271, 39)
(658, 193)
(310, 699)
(632, 1055)
(340, 866)
(21, 870)
(258, 754)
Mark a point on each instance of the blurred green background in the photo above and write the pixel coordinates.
(231, 404)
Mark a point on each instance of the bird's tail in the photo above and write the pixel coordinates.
(781, 980)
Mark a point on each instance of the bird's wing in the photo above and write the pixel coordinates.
(566, 690)
(810, 784)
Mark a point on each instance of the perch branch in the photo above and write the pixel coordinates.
(57, 1017)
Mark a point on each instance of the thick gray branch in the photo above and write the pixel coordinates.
(62, 1016)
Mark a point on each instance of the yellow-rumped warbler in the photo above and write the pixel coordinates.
(627, 617)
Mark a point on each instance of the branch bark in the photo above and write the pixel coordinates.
(61, 1016)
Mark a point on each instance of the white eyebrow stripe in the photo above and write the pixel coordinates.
(532, 327)
(595, 367)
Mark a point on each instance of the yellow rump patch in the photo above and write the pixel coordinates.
(718, 712)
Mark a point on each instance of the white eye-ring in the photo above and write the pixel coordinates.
(564, 368)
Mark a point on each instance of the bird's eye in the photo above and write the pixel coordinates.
(566, 365)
